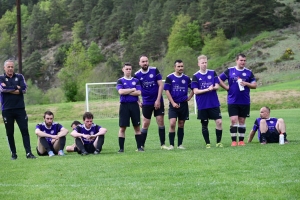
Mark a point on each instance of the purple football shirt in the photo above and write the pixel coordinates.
(92, 131)
(124, 83)
(235, 96)
(203, 81)
(178, 87)
(149, 86)
(53, 130)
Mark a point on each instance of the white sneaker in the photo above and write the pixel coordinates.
(180, 147)
(164, 147)
(171, 147)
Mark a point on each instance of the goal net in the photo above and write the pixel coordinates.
(103, 100)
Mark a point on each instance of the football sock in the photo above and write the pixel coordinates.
(45, 144)
(242, 131)
(162, 135)
(205, 131)
(218, 135)
(121, 142)
(171, 138)
(144, 133)
(233, 133)
(79, 144)
(62, 142)
(100, 143)
(138, 140)
(180, 135)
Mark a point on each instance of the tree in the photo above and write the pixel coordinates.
(216, 46)
(55, 34)
(75, 73)
(78, 31)
(32, 66)
(94, 54)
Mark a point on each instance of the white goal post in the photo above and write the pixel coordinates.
(103, 100)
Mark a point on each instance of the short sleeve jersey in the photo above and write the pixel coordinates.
(235, 96)
(53, 130)
(203, 81)
(149, 85)
(92, 131)
(124, 83)
(178, 87)
(271, 123)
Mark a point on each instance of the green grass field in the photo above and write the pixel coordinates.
(254, 171)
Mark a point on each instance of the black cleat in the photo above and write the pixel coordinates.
(14, 156)
(140, 150)
(30, 156)
(121, 151)
(84, 153)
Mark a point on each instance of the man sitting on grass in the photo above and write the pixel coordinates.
(269, 128)
(89, 137)
(51, 136)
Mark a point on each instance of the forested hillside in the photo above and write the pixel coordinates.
(67, 43)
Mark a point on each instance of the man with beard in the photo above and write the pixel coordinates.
(176, 86)
(152, 87)
(51, 136)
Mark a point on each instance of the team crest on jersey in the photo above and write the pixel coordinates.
(52, 132)
(151, 75)
(6, 79)
(244, 74)
(209, 77)
(183, 81)
(16, 79)
(271, 122)
(133, 83)
(92, 132)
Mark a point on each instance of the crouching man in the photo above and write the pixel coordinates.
(89, 137)
(51, 136)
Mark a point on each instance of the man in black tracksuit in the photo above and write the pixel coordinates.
(12, 88)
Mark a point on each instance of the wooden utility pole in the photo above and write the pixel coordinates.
(19, 36)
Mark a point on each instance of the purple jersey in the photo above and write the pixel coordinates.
(203, 81)
(178, 87)
(92, 131)
(124, 83)
(53, 130)
(148, 81)
(271, 123)
(235, 96)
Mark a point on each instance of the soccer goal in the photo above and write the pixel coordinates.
(103, 100)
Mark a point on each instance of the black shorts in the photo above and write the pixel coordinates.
(209, 113)
(271, 136)
(239, 110)
(182, 113)
(89, 148)
(127, 111)
(149, 109)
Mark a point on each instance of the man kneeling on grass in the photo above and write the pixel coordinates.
(89, 137)
(51, 136)
(269, 128)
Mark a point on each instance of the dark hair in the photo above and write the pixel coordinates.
(87, 115)
(177, 61)
(240, 55)
(143, 55)
(48, 112)
(76, 123)
(127, 64)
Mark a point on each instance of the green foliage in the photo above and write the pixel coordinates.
(217, 46)
(34, 95)
(55, 34)
(78, 31)
(287, 55)
(75, 73)
(94, 54)
(61, 53)
(55, 95)
(32, 66)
